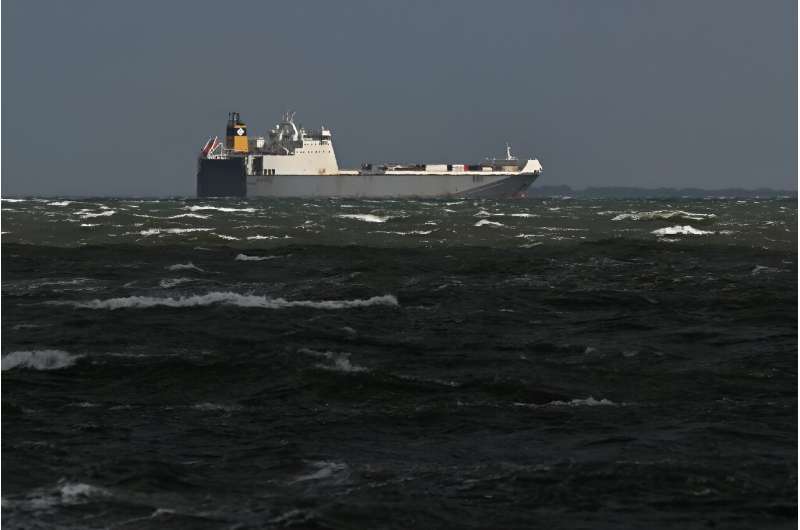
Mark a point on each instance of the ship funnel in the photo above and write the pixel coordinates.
(236, 134)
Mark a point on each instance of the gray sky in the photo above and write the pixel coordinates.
(116, 98)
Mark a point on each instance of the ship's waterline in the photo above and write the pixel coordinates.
(293, 162)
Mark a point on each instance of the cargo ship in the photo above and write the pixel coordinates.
(291, 161)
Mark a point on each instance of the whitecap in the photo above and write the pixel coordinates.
(184, 267)
(78, 492)
(486, 222)
(192, 215)
(524, 215)
(84, 405)
(65, 494)
(13, 200)
(168, 283)
(683, 230)
(366, 217)
(38, 360)
(60, 203)
(156, 231)
(339, 362)
(761, 269)
(587, 402)
(245, 257)
(409, 233)
(442, 382)
(229, 238)
(179, 216)
(293, 517)
(86, 214)
(228, 298)
(664, 214)
(89, 225)
(220, 209)
(258, 236)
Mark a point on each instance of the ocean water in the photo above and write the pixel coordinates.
(548, 363)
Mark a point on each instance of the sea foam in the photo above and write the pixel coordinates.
(228, 298)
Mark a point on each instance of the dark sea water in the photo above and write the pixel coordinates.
(549, 363)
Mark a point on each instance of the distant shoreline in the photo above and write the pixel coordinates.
(620, 192)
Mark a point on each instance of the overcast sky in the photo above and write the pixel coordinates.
(116, 98)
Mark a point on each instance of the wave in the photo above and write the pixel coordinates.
(66, 494)
(762, 269)
(168, 283)
(216, 407)
(38, 360)
(659, 215)
(156, 231)
(366, 217)
(179, 216)
(228, 298)
(324, 470)
(486, 222)
(682, 230)
(86, 214)
(409, 233)
(269, 237)
(192, 215)
(245, 257)
(76, 492)
(184, 267)
(220, 209)
(340, 362)
(586, 402)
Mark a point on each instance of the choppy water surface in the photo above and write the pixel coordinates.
(399, 364)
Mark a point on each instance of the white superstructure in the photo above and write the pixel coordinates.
(292, 150)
